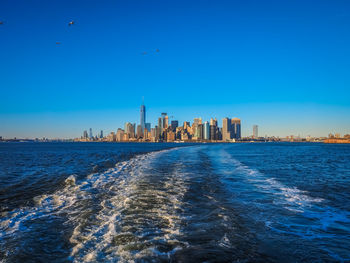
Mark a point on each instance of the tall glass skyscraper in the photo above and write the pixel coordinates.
(206, 131)
(143, 117)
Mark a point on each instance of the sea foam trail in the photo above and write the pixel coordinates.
(140, 215)
(267, 190)
(290, 198)
(104, 210)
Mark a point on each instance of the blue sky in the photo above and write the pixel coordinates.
(283, 65)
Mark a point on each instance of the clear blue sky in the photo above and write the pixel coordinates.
(284, 65)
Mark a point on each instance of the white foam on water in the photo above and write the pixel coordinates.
(291, 198)
(298, 202)
(94, 236)
(123, 211)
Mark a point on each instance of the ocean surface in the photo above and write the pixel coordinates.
(144, 202)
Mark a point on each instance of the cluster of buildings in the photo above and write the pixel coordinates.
(169, 131)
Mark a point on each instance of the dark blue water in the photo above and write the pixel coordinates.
(260, 202)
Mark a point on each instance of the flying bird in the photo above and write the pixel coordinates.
(1, 22)
(57, 43)
(157, 50)
(71, 23)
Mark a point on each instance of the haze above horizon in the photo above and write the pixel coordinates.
(283, 65)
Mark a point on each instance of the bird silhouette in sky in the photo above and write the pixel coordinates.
(71, 23)
(57, 43)
(1, 23)
(157, 50)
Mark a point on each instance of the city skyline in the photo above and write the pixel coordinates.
(168, 129)
(110, 121)
(280, 65)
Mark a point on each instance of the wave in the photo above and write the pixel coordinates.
(291, 198)
(107, 212)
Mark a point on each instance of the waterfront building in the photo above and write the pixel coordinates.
(142, 117)
(139, 133)
(197, 121)
(226, 129)
(184, 136)
(213, 127)
(255, 131)
(200, 131)
(129, 129)
(90, 133)
(206, 131)
(160, 125)
(148, 126)
(157, 135)
(236, 128)
(186, 125)
(170, 136)
(101, 134)
(111, 137)
(174, 125)
(120, 135)
(125, 137)
(85, 134)
(213, 122)
(166, 122)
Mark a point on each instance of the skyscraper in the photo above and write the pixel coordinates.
(166, 123)
(142, 117)
(160, 126)
(90, 133)
(148, 127)
(226, 129)
(129, 129)
(139, 133)
(236, 127)
(255, 131)
(164, 120)
(174, 125)
(101, 134)
(206, 131)
(213, 129)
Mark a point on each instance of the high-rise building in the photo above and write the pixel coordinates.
(186, 125)
(101, 134)
(164, 121)
(160, 127)
(236, 128)
(174, 125)
(90, 133)
(120, 135)
(213, 129)
(255, 131)
(206, 131)
(139, 132)
(142, 117)
(226, 129)
(85, 134)
(197, 121)
(111, 137)
(129, 129)
(148, 127)
(200, 131)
